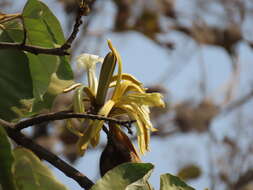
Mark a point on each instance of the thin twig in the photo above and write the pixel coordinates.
(210, 159)
(203, 74)
(33, 49)
(42, 153)
(233, 81)
(237, 103)
(6, 123)
(61, 51)
(66, 115)
(73, 35)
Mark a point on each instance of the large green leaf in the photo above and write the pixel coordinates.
(6, 162)
(41, 67)
(31, 173)
(42, 26)
(170, 182)
(15, 78)
(24, 75)
(123, 176)
(44, 30)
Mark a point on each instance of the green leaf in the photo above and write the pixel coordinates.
(15, 78)
(6, 162)
(170, 182)
(14, 29)
(44, 30)
(41, 67)
(123, 176)
(64, 71)
(31, 173)
(24, 75)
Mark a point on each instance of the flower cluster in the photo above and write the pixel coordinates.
(112, 96)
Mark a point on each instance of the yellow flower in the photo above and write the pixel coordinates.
(128, 98)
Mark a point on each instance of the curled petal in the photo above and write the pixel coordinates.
(128, 77)
(71, 87)
(119, 75)
(92, 80)
(125, 87)
(149, 99)
(142, 130)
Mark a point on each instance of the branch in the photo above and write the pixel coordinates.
(66, 115)
(61, 51)
(244, 179)
(42, 153)
(34, 49)
(73, 35)
(237, 103)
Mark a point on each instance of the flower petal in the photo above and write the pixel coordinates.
(149, 99)
(125, 76)
(125, 87)
(78, 104)
(72, 87)
(142, 131)
(95, 140)
(119, 61)
(88, 61)
(92, 130)
(105, 77)
(72, 128)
